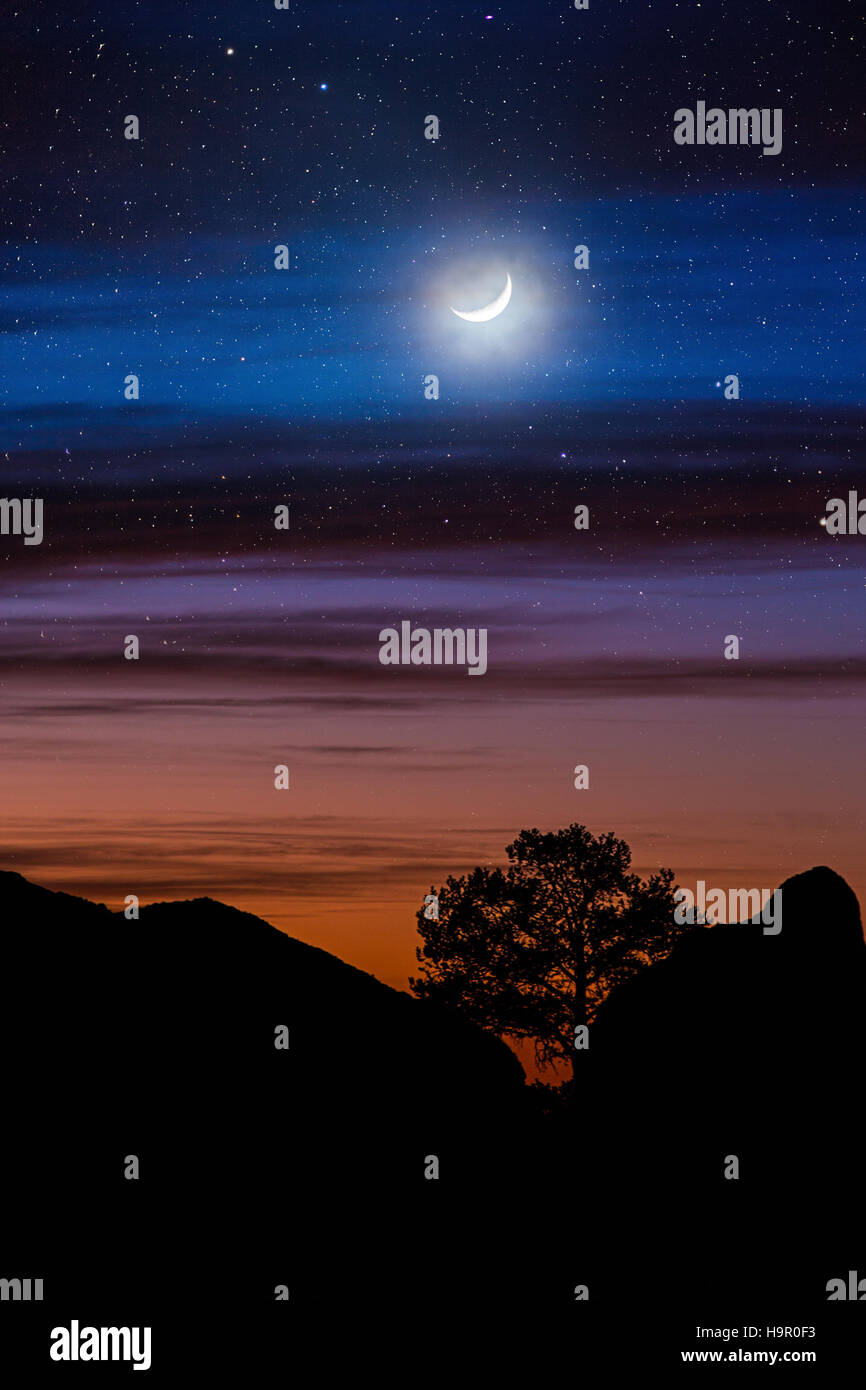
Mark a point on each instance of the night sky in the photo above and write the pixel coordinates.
(602, 386)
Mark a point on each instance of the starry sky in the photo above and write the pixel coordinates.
(601, 386)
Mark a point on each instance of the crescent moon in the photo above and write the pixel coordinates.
(490, 311)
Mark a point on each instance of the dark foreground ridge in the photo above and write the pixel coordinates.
(306, 1167)
(751, 1045)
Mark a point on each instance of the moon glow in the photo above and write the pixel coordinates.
(491, 310)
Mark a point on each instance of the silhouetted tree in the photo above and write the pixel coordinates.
(530, 951)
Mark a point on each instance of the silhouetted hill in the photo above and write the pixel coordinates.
(306, 1168)
(217, 981)
(156, 1038)
(751, 1045)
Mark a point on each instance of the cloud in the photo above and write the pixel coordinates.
(219, 858)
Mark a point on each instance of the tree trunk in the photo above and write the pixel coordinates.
(579, 999)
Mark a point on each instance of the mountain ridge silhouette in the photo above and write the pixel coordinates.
(306, 1167)
(756, 1044)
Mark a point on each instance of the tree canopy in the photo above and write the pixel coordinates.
(530, 951)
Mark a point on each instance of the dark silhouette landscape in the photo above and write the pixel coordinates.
(305, 1166)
